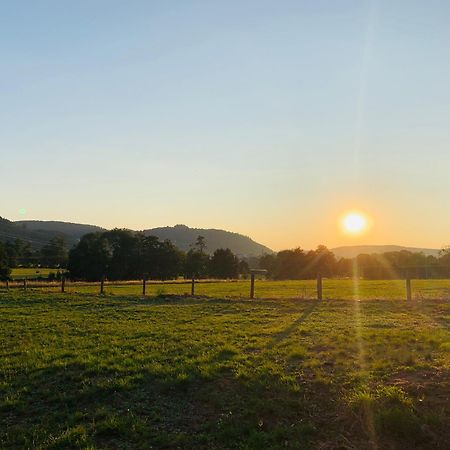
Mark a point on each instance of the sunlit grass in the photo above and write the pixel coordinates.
(301, 289)
(86, 371)
(31, 272)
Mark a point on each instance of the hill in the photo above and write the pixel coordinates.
(183, 237)
(72, 232)
(350, 251)
(38, 233)
(10, 231)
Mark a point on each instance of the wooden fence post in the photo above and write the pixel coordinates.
(7, 285)
(252, 285)
(25, 286)
(102, 285)
(319, 286)
(144, 285)
(63, 284)
(193, 286)
(408, 290)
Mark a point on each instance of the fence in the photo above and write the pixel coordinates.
(322, 288)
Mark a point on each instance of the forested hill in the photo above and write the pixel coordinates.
(351, 251)
(72, 232)
(38, 233)
(183, 237)
(9, 231)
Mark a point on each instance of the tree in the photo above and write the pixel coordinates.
(444, 262)
(296, 264)
(268, 262)
(160, 260)
(54, 254)
(124, 249)
(200, 244)
(19, 252)
(169, 261)
(290, 265)
(149, 256)
(344, 267)
(224, 264)
(196, 264)
(325, 262)
(197, 261)
(243, 268)
(5, 270)
(89, 259)
(364, 266)
(124, 255)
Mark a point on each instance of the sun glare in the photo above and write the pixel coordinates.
(354, 223)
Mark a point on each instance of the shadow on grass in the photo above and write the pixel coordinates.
(83, 406)
(51, 298)
(278, 338)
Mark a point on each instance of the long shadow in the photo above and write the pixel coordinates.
(76, 299)
(150, 409)
(279, 337)
(123, 407)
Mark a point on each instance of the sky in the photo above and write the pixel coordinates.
(267, 118)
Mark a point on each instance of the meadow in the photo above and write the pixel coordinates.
(84, 371)
(344, 289)
(31, 272)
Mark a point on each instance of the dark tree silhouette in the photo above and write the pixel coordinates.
(224, 264)
(89, 259)
(4, 263)
(54, 254)
(200, 244)
(124, 255)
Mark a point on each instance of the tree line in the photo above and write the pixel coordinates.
(19, 253)
(298, 264)
(125, 255)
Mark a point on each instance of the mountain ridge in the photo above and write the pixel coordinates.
(184, 237)
(181, 235)
(38, 233)
(351, 251)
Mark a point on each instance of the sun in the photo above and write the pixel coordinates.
(354, 223)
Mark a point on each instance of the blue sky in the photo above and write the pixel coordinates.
(268, 118)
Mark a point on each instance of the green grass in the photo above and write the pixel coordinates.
(81, 371)
(31, 272)
(304, 289)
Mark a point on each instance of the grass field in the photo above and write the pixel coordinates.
(31, 272)
(81, 371)
(304, 289)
